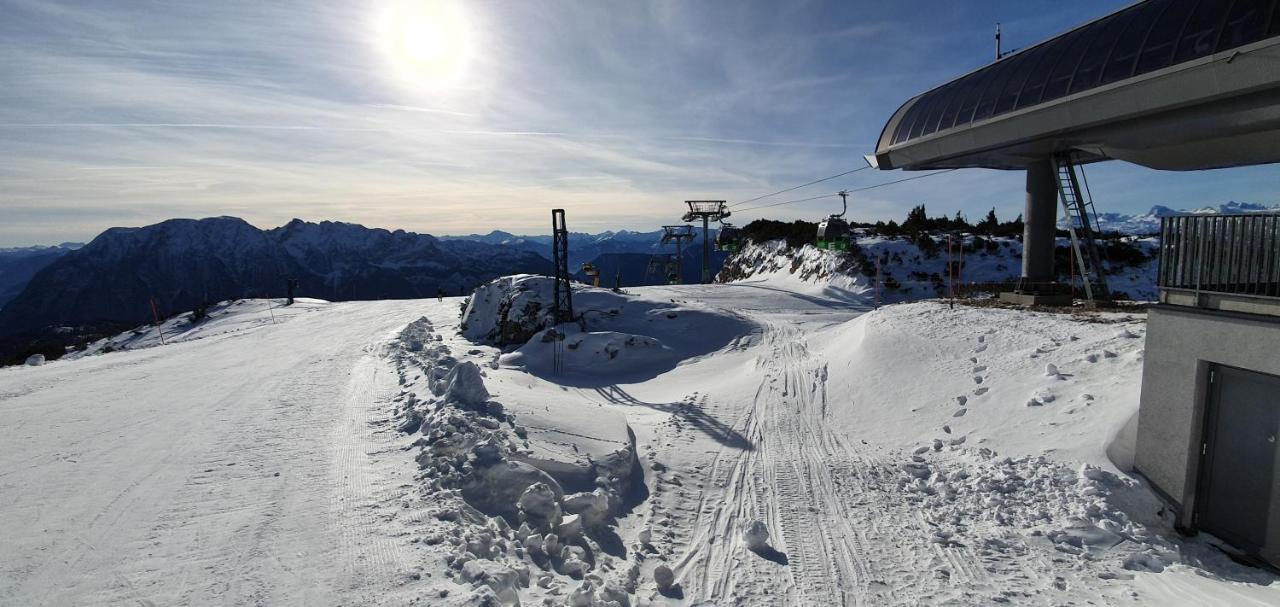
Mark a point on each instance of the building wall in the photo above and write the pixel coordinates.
(1182, 343)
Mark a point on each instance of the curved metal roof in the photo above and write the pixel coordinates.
(1142, 38)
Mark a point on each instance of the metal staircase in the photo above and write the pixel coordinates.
(1082, 223)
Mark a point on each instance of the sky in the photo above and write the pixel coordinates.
(457, 117)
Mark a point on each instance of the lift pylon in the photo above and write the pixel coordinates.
(708, 211)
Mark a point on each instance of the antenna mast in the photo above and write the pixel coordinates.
(998, 55)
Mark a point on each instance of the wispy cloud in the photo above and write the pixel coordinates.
(132, 112)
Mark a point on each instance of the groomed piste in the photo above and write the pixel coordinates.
(770, 441)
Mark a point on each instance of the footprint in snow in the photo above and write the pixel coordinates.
(962, 399)
(980, 349)
(979, 368)
(982, 339)
(980, 391)
(977, 379)
(973, 359)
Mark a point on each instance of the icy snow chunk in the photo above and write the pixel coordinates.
(664, 577)
(502, 580)
(497, 489)
(35, 360)
(464, 385)
(1142, 561)
(917, 470)
(539, 506)
(756, 534)
(593, 507)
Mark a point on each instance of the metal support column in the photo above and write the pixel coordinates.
(560, 258)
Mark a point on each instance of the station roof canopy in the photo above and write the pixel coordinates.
(1169, 84)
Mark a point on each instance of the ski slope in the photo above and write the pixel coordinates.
(915, 454)
(237, 469)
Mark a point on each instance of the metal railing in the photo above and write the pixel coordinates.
(1233, 254)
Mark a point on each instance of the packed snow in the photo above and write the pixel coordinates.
(768, 442)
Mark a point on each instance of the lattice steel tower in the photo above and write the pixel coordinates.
(708, 211)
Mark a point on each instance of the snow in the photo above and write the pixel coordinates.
(908, 273)
(770, 442)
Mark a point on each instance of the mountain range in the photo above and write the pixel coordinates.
(1149, 222)
(180, 264)
(583, 247)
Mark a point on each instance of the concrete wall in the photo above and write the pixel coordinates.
(1182, 344)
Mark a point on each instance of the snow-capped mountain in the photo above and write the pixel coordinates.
(1149, 222)
(583, 247)
(182, 263)
(19, 264)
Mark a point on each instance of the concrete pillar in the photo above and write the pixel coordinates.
(1040, 222)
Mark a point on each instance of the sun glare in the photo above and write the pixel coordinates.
(427, 43)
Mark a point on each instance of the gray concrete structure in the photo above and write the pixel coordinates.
(1183, 343)
(1040, 220)
(1208, 434)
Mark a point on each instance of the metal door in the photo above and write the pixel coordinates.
(1240, 488)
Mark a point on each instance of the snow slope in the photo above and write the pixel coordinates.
(241, 468)
(794, 447)
(908, 273)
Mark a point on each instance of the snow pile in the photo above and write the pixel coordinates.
(35, 360)
(515, 529)
(617, 337)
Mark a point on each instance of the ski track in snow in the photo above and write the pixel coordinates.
(245, 485)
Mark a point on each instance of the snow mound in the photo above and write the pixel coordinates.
(509, 310)
(616, 337)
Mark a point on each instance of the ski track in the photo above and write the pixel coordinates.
(264, 488)
(834, 506)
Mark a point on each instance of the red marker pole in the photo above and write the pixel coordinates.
(156, 314)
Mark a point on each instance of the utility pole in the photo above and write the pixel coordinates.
(708, 211)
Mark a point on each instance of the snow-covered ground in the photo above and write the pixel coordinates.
(907, 273)
(772, 442)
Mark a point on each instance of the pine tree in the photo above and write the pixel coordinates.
(990, 222)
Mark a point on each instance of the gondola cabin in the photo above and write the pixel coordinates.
(729, 239)
(833, 234)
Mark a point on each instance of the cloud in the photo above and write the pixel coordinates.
(131, 112)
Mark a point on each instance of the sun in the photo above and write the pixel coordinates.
(427, 43)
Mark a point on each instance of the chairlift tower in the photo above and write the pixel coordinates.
(560, 258)
(669, 265)
(708, 211)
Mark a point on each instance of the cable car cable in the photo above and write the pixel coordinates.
(803, 185)
(861, 189)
